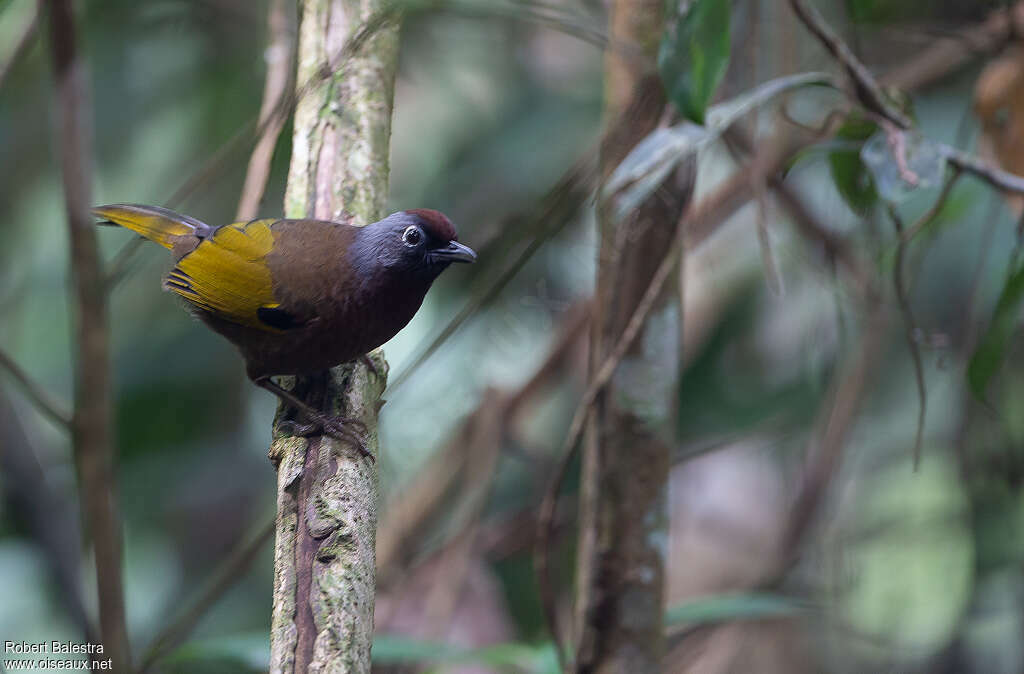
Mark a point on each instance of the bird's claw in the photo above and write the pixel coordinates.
(337, 427)
(294, 428)
(370, 365)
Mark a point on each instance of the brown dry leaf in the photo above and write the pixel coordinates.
(999, 105)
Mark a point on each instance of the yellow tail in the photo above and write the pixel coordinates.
(156, 224)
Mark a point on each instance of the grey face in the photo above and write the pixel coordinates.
(407, 242)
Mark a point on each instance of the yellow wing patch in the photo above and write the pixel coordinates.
(227, 274)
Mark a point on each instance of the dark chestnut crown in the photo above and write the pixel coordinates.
(436, 224)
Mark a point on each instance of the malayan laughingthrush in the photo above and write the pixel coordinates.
(300, 296)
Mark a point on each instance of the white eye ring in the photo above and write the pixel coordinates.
(412, 236)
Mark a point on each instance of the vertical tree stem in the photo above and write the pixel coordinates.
(279, 55)
(324, 565)
(623, 514)
(90, 428)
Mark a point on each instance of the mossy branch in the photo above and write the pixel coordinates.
(324, 564)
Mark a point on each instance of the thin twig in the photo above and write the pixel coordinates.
(771, 270)
(546, 514)
(944, 56)
(484, 451)
(420, 500)
(900, 286)
(823, 460)
(380, 19)
(46, 404)
(909, 233)
(216, 162)
(1008, 182)
(229, 572)
(870, 95)
(91, 422)
(23, 42)
(280, 55)
(388, 15)
(119, 266)
(837, 248)
(867, 89)
(572, 329)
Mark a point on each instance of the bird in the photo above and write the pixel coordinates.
(299, 296)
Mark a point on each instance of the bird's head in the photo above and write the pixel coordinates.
(419, 242)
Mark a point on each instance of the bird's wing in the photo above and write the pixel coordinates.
(227, 276)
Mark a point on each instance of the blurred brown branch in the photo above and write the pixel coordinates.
(947, 55)
(835, 424)
(618, 617)
(229, 572)
(936, 208)
(45, 403)
(279, 55)
(419, 501)
(899, 283)
(386, 15)
(867, 90)
(874, 100)
(996, 177)
(483, 445)
(808, 224)
(90, 428)
(906, 235)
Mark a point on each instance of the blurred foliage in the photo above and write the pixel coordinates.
(988, 357)
(919, 571)
(849, 174)
(694, 54)
(882, 11)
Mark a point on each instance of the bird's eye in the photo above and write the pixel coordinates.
(412, 235)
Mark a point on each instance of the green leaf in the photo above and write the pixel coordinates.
(694, 53)
(851, 177)
(722, 607)
(987, 358)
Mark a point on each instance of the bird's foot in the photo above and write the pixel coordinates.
(340, 428)
(318, 423)
(370, 365)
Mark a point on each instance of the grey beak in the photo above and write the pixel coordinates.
(454, 252)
